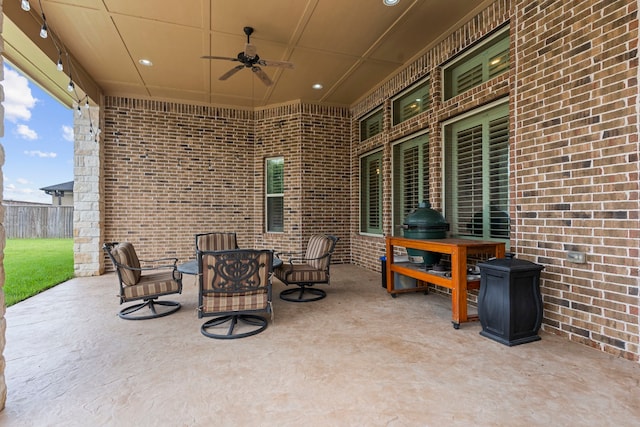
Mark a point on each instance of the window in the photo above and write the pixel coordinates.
(410, 178)
(477, 174)
(371, 193)
(411, 102)
(371, 125)
(487, 60)
(275, 194)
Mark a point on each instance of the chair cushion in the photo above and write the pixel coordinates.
(151, 285)
(300, 273)
(318, 245)
(217, 242)
(235, 302)
(125, 254)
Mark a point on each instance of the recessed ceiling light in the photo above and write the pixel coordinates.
(390, 2)
(146, 62)
(317, 86)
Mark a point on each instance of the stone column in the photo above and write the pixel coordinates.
(3, 305)
(88, 194)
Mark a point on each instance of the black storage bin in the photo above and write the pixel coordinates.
(509, 302)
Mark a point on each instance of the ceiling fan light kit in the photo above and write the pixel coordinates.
(249, 59)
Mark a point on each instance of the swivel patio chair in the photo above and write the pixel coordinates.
(160, 278)
(216, 241)
(233, 286)
(308, 271)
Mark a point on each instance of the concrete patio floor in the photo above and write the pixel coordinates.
(356, 358)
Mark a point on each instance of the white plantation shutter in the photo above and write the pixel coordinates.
(477, 175)
(410, 178)
(274, 204)
(371, 125)
(484, 61)
(371, 193)
(411, 103)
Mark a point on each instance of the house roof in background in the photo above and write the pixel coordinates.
(65, 186)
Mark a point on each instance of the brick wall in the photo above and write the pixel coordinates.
(573, 94)
(174, 170)
(576, 159)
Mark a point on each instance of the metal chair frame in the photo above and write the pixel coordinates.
(149, 301)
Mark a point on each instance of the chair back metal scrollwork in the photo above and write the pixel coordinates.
(233, 286)
(145, 280)
(308, 270)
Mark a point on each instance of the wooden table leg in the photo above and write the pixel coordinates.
(459, 289)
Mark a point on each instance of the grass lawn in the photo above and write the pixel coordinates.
(33, 265)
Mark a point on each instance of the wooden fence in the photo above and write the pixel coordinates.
(28, 222)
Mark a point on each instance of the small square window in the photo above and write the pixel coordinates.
(487, 59)
(411, 102)
(371, 125)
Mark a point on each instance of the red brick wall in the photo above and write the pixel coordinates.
(174, 170)
(314, 141)
(573, 95)
(576, 158)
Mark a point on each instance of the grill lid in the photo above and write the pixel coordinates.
(425, 218)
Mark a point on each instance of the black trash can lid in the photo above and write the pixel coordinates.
(510, 264)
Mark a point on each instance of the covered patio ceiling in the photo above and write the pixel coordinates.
(347, 46)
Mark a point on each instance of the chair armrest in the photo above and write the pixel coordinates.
(173, 260)
(303, 260)
(172, 265)
(282, 255)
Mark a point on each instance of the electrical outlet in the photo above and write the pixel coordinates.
(577, 257)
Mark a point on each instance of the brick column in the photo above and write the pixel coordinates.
(3, 306)
(88, 195)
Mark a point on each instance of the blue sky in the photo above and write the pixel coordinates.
(38, 139)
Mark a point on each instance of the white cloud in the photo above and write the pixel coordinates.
(11, 192)
(41, 154)
(18, 100)
(22, 181)
(25, 132)
(67, 133)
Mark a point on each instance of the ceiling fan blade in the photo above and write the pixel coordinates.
(262, 75)
(250, 50)
(231, 72)
(226, 58)
(281, 64)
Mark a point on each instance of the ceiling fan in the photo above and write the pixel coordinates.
(249, 59)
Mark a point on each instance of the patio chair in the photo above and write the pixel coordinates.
(308, 271)
(216, 241)
(233, 286)
(160, 278)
